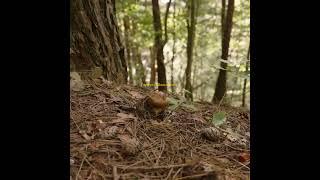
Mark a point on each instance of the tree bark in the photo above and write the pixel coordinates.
(126, 23)
(223, 16)
(95, 39)
(190, 44)
(159, 44)
(221, 84)
(245, 80)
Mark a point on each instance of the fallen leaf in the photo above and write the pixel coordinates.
(145, 145)
(126, 116)
(116, 99)
(76, 84)
(85, 135)
(232, 138)
(244, 157)
(223, 160)
(238, 128)
(129, 129)
(136, 95)
(122, 118)
(247, 134)
(118, 121)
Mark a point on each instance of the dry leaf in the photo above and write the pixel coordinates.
(244, 157)
(129, 129)
(118, 121)
(145, 145)
(85, 135)
(247, 134)
(136, 95)
(76, 84)
(126, 116)
(232, 138)
(238, 128)
(116, 99)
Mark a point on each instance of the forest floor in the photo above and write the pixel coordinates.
(110, 140)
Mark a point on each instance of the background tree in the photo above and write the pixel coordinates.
(95, 39)
(245, 80)
(173, 47)
(221, 88)
(152, 65)
(191, 26)
(159, 42)
(126, 24)
(207, 46)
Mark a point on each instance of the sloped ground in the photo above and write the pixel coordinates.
(110, 140)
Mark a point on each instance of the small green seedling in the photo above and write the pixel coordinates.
(218, 118)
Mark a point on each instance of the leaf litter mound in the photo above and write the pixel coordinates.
(110, 140)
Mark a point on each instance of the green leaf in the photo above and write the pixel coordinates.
(219, 118)
(173, 103)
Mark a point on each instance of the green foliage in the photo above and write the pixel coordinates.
(207, 47)
(174, 103)
(219, 118)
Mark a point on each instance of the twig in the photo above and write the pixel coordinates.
(154, 167)
(138, 162)
(163, 147)
(238, 149)
(169, 174)
(174, 176)
(230, 132)
(80, 167)
(196, 176)
(115, 174)
(75, 123)
(241, 164)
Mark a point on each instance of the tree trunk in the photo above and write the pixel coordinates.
(95, 39)
(191, 33)
(223, 17)
(245, 80)
(221, 84)
(126, 23)
(159, 44)
(173, 47)
(153, 65)
(140, 69)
